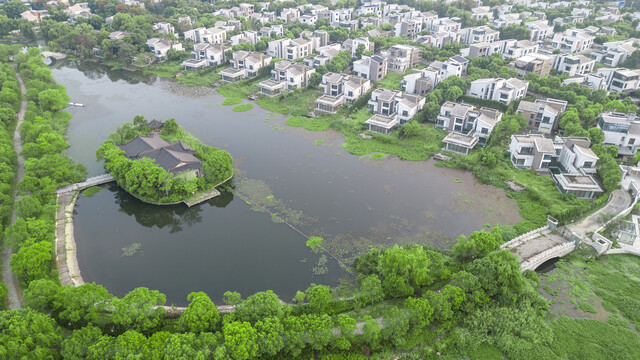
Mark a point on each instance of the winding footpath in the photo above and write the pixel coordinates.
(13, 300)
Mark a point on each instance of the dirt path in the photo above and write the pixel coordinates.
(13, 299)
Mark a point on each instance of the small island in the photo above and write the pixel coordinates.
(161, 163)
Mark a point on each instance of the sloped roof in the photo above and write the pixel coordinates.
(176, 157)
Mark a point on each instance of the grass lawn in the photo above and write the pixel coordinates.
(311, 124)
(241, 89)
(167, 69)
(297, 102)
(421, 147)
(231, 101)
(391, 81)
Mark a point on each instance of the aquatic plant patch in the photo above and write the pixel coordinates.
(310, 123)
(89, 192)
(231, 101)
(243, 107)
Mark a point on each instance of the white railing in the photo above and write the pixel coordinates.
(517, 241)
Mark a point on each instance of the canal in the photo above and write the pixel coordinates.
(230, 243)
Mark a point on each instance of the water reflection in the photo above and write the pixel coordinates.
(95, 71)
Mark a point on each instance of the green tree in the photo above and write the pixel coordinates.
(371, 290)
(269, 331)
(201, 314)
(421, 312)
(411, 129)
(41, 294)
(232, 298)
(260, 305)
(139, 310)
(479, 244)
(513, 31)
(319, 298)
(52, 100)
(32, 262)
(76, 346)
(452, 93)
(75, 307)
(240, 340)
(27, 334)
(14, 8)
(347, 326)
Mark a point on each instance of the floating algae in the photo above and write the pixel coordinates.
(131, 249)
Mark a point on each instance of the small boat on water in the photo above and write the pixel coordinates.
(75, 104)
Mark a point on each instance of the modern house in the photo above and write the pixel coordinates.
(542, 115)
(372, 68)
(391, 108)
(401, 57)
(498, 89)
(203, 35)
(176, 158)
(408, 28)
(245, 37)
(533, 63)
(573, 41)
(244, 65)
(420, 82)
(351, 45)
(621, 130)
(573, 64)
(205, 55)
(614, 53)
(286, 75)
(324, 55)
(569, 159)
(467, 125)
(454, 66)
(620, 79)
(290, 49)
(164, 27)
(339, 89)
(160, 48)
(540, 29)
(478, 34)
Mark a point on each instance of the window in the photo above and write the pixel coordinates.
(484, 131)
(632, 141)
(587, 164)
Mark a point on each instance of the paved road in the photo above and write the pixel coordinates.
(620, 200)
(13, 300)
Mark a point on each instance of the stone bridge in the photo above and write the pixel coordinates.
(540, 245)
(51, 57)
(551, 241)
(93, 181)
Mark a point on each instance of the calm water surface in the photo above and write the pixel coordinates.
(225, 245)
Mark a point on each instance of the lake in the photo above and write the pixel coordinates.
(238, 242)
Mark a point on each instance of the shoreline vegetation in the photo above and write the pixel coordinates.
(149, 182)
(419, 140)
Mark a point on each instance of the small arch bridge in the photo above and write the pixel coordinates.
(93, 181)
(542, 244)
